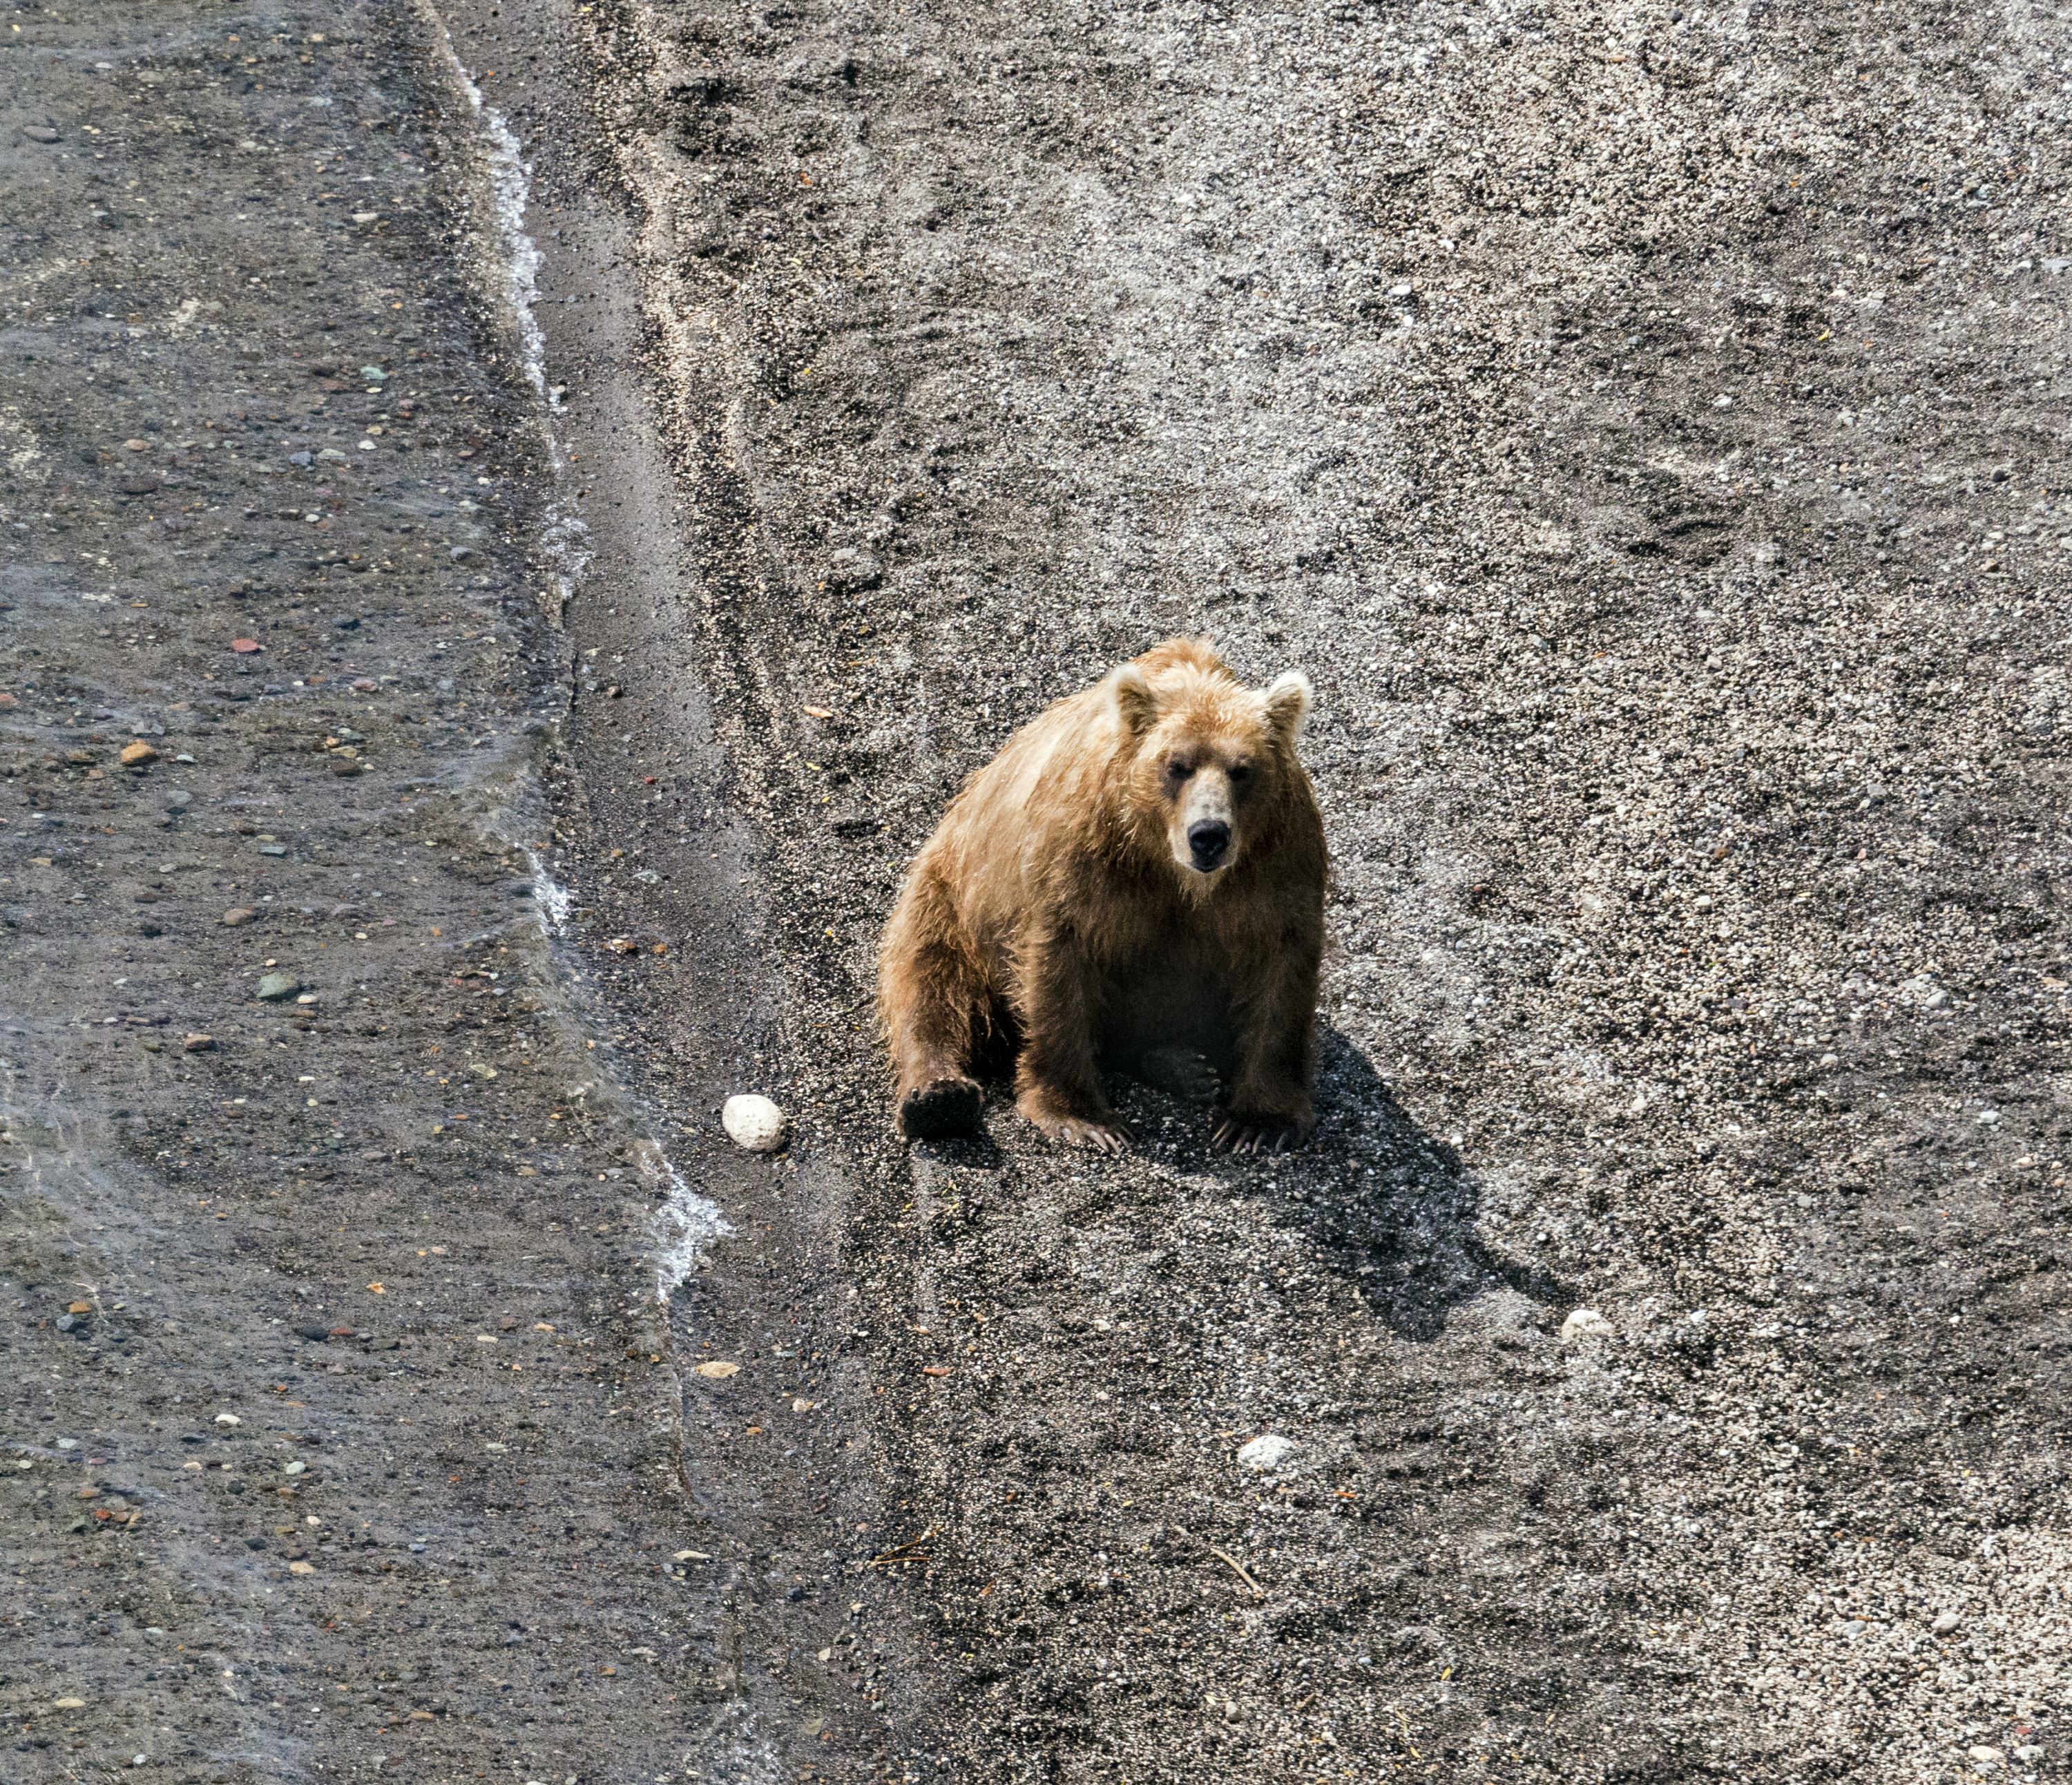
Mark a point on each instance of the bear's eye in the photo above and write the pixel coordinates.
(1177, 771)
(1240, 773)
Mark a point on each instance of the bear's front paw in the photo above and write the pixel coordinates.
(1236, 1132)
(937, 1110)
(1108, 1136)
(1102, 1137)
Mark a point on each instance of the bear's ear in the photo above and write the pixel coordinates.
(1136, 706)
(1288, 704)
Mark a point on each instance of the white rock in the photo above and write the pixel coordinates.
(1585, 1323)
(754, 1122)
(2029, 1753)
(1266, 1453)
(1983, 1756)
(228, 1419)
(1945, 1622)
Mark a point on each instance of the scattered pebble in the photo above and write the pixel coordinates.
(138, 754)
(753, 1122)
(851, 570)
(717, 1370)
(198, 1042)
(1585, 1323)
(275, 987)
(1265, 1453)
(239, 914)
(1945, 1622)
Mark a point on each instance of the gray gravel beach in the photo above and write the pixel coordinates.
(518, 519)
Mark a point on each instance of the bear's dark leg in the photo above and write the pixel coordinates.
(1167, 1025)
(1269, 1109)
(1057, 1080)
(930, 989)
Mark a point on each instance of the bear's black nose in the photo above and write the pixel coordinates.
(1210, 840)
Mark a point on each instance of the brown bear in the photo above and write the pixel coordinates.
(1135, 881)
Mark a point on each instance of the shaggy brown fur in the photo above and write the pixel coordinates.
(1136, 881)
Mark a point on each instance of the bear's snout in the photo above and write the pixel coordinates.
(1208, 842)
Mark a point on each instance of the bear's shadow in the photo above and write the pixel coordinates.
(1388, 1204)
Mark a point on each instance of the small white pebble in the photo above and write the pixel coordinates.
(1585, 1323)
(228, 1419)
(1945, 1622)
(1266, 1453)
(754, 1122)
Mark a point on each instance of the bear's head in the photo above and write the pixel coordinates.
(1211, 763)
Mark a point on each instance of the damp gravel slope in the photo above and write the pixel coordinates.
(1644, 426)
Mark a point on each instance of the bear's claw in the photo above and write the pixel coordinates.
(938, 1110)
(1102, 1137)
(1234, 1134)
